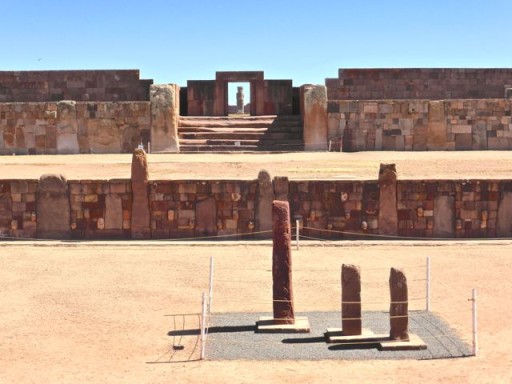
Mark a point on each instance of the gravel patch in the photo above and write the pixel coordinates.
(231, 336)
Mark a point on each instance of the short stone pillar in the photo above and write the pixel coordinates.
(240, 100)
(314, 115)
(399, 306)
(351, 321)
(67, 128)
(388, 213)
(53, 208)
(264, 205)
(282, 264)
(140, 222)
(165, 110)
(281, 188)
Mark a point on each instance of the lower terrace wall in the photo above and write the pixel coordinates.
(101, 209)
(73, 127)
(421, 125)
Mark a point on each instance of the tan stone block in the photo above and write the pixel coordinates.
(91, 198)
(230, 224)
(186, 214)
(126, 224)
(16, 197)
(117, 188)
(171, 215)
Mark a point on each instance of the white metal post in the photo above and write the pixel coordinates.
(475, 324)
(203, 326)
(428, 283)
(297, 232)
(210, 296)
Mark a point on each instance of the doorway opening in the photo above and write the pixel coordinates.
(239, 98)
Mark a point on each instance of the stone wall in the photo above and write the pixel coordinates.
(89, 85)
(95, 127)
(102, 209)
(419, 125)
(421, 83)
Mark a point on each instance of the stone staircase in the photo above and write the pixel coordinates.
(240, 134)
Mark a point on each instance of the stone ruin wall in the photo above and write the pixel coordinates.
(420, 109)
(102, 209)
(421, 125)
(96, 127)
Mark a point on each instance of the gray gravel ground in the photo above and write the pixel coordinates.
(231, 336)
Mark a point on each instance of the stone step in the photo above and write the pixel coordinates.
(217, 141)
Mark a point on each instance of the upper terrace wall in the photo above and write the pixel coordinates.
(424, 83)
(90, 85)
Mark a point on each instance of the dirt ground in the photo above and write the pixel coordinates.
(300, 165)
(101, 312)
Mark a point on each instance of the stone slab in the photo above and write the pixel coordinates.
(335, 335)
(415, 343)
(267, 324)
(381, 341)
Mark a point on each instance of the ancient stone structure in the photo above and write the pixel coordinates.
(399, 307)
(206, 217)
(504, 219)
(282, 264)
(140, 221)
(351, 316)
(67, 128)
(443, 225)
(314, 115)
(164, 117)
(264, 204)
(388, 215)
(240, 100)
(53, 210)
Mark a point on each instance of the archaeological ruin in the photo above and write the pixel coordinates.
(114, 111)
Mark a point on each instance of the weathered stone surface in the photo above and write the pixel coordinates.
(140, 200)
(281, 188)
(444, 216)
(436, 138)
(282, 264)
(104, 136)
(206, 217)
(113, 212)
(53, 208)
(314, 114)
(264, 204)
(351, 300)
(5, 210)
(399, 307)
(164, 117)
(504, 220)
(388, 214)
(67, 128)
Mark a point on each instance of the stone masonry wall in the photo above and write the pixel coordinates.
(421, 83)
(101, 209)
(419, 125)
(102, 127)
(84, 85)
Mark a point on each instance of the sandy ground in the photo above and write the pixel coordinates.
(101, 312)
(301, 165)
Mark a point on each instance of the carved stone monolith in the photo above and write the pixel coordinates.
(264, 204)
(53, 208)
(67, 127)
(140, 200)
(351, 300)
(282, 264)
(240, 100)
(388, 213)
(399, 307)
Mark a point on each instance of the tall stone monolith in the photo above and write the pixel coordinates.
(388, 213)
(140, 222)
(399, 307)
(351, 322)
(165, 109)
(67, 127)
(282, 264)
(53, 208)
(264, 205)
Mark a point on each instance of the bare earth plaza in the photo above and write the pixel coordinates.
(358, 230)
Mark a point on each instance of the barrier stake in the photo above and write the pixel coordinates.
(428, 283)
(210, 297)
(475, 324)
(297, 232)
(203, 326)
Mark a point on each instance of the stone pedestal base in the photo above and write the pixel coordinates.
(268, 324)
(367, 338)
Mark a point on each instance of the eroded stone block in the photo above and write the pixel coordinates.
(399, 306)
(53, 208)
(351, 322)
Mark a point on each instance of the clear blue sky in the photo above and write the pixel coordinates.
(172, 41)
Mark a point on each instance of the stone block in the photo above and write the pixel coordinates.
(53, 208)
(351, 319)
(164, 117)
(67, 128)
(314, 113)
(140, 221)
(113, 212)
(444, 216)
(388, 215)
(264, 203)
(206, 217)
(399, 307)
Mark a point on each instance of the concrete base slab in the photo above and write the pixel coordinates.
(335, 335)
(415, 343)
(267, 324)
(380, 341)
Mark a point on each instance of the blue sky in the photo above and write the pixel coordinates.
(172, 41)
